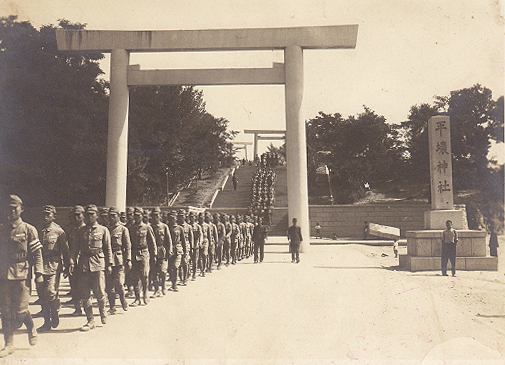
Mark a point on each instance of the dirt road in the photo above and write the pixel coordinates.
(342, 303)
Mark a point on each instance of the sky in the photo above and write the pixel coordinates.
(407, 51)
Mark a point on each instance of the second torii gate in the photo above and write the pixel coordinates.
(291, 40)
(242, 145)
(257, 137)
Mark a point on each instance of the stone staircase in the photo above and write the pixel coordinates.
(240, 198)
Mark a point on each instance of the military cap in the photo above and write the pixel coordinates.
(130, 210)
(77, 209)
(91, 208)
(114, 210)
(139, 210)
(173, 214)
(181, 212)
(156, 210)
(49, 209)
(15, 200)
(103, 210)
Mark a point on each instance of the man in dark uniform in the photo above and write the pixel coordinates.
(93, 256)
(143, 248)
(178, 248)
(121, 257)
(54, 249)
(19, 246)
(295, 238)
(164, 247)
(76, 217)
(259, 236)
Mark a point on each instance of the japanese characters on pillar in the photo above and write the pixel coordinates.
(440, 163)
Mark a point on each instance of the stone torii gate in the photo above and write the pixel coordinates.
(242, 145)
(257, 137)
(291, 40)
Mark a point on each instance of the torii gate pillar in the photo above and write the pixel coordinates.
(296, 147)
(117, 140)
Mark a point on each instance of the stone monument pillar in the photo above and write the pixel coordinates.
(424, 247)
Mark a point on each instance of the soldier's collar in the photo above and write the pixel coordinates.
(16, 223)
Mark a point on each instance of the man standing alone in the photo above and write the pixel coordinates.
(295, 238)
(259, 236)
(449, 242)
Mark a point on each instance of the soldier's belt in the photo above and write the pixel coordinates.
(93, 251)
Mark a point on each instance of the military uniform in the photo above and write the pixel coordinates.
(143, 248)
(259, 237)
(295, 238)
(226, 242)
(71, 232)
(213, 238)
(164, 247)
(204, 244)
(121, 256)
(196, 245)
(54, 248)
(234, 240)
(188, 236)
(19, 245)
(93, 255)
(178, 250)
(221, 233)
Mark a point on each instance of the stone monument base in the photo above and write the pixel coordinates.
(424, 249)
(435, 219)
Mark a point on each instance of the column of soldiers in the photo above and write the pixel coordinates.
(263, 191)
(108, 256)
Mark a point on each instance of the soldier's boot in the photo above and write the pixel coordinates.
(77, 306)
(30, 327)
(124, 303)
(112, 303)
(137, 299)
(8, 338)
(163, 279)
(88, 309)
(101, 308)
(47, 318)
(54, 307)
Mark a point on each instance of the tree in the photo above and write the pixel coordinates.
(356, 149)
(53, 114)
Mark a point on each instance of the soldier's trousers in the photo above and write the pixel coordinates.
(219, 254)
(233, 250)
(210, 257)
(161, 268)
(140, 275)
(115, 285)
(226, 252)
(173, 266)
(91, 281)
(195, 255)
(14, 298)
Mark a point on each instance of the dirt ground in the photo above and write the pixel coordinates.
(346, 303)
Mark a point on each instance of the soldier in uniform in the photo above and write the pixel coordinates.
(250, 228)
(76, 217)
(93, 255)
(164, 247)
(143, 248)
(54, 248)
(103, 216)
(19, 246)
(188, 236)
(221, 234)
(121, 257)
(128, 279)
(178, 248)
(234, 239)
(243, 237)
(213, 238)
(197, 243)
(227, 237)
(205, 238)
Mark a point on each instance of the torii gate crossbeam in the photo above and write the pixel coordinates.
(291, 40)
